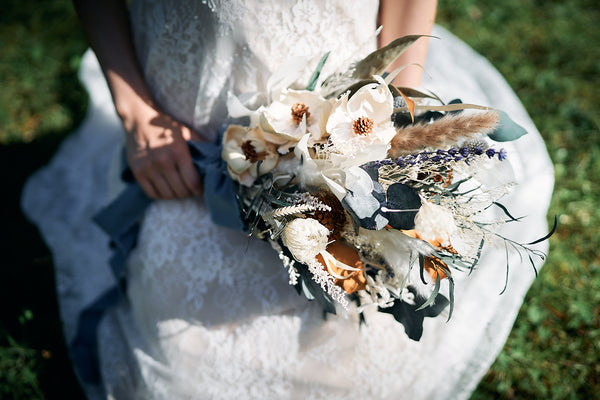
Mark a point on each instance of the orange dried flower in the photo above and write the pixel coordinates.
(433, 265)
(355, 279)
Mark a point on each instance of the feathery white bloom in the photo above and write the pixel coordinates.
(305, 238)
(435, 222)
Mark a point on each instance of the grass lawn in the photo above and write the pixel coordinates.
(549, 51)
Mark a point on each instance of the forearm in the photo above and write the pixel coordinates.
(106, 24)
(407, 17)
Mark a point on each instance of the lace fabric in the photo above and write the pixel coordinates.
(210, 313)
(203, 50)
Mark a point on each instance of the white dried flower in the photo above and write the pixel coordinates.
(360, 127)
(435, 222)
(305, 238)
(247, 154)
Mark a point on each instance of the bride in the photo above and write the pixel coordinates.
(208, 313)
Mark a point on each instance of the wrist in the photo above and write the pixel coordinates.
(130, 101)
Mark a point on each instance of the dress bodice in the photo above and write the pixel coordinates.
(201, 50)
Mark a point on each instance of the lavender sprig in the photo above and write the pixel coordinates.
(454, 154)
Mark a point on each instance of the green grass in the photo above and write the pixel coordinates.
(547, 50)
(549, 53)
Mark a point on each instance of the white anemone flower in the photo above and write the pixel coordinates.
(360, 127)
(295, 113)
(247, 154)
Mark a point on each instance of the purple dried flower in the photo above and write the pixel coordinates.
(490, 152)
(502, 155)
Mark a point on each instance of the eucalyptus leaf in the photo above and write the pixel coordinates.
(379, 60)
(312, 83)
(410, 92)
(411, 316)
(507, 130)
(404, 202)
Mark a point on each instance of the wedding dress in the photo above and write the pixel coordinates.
(209, 313)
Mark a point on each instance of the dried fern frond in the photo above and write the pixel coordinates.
(445, 131)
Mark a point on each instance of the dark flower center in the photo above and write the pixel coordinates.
(249, 151)
(363, 126)
(298, 112)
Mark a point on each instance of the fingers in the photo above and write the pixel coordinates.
(159, 157)
(187, 170)
(180, 172)
(190, 177)
(148, 188)
(167, 173)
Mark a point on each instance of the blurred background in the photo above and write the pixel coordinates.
(549, 51)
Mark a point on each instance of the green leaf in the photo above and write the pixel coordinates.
(507, 269)
(422, 268)
(433, 295)
(503, 208)
(378, 61)
(507, 129)
(549, 233)
(451, 294)
(312, 83)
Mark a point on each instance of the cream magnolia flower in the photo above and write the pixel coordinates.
(293, 114)
(243, 149)
(359, 127)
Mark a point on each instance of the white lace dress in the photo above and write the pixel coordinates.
(210, 314)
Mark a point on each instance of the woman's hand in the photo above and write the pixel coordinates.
(158, 154)
(156, 150)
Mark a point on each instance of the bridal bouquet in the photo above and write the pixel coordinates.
(371, 193)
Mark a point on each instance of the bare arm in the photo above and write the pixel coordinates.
(155, 143)
(407, 17)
